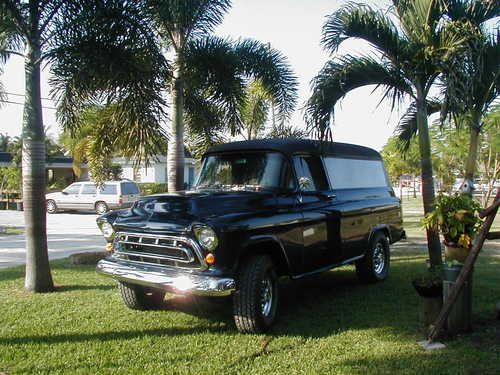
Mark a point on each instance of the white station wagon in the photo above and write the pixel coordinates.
(85, 196)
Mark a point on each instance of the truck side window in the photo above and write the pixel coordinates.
(310, 173)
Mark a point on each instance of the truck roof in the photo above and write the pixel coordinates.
(291, 146)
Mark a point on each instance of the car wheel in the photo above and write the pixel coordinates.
(101, 208)
(141, 298)
(255, 303)
(374, 266)
(51, 206)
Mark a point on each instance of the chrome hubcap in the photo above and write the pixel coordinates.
(266, 296)
(378, 258)
(50, 206)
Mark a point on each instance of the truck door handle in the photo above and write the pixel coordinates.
(331, 196)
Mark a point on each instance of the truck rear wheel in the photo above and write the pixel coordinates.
(137, 297)
(255, 303)
(374, 266)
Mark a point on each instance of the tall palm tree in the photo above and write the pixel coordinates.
(255, 110)
(204, 79)
(208, 73)
(407, 60)
(38, 31)
(470, 80)
(473, 82)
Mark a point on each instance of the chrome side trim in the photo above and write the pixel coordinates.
(166, 278)
(329, 267)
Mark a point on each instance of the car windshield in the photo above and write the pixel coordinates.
(236, 171)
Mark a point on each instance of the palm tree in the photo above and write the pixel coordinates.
(42, 31)
(407, 60)
(472, 88)
(471, 80)
(254, 110)
(205, 78)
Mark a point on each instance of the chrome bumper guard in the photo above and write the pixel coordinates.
(166, 278)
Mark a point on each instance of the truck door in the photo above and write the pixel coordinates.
(319, 219)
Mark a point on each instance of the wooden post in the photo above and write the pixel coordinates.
(490, 213)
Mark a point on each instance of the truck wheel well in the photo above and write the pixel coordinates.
(383, 230)
(274, 251)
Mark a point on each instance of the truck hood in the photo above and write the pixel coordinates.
(176, 212)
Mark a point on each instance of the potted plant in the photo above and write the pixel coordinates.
(429, 286)
(456, 218)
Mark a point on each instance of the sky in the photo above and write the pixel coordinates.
(291, 26)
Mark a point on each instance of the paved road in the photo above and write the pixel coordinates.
(68, 233)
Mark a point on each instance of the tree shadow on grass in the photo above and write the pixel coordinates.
(111, 335)
(80, 287)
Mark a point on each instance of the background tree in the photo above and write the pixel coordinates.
(408, 57)
(209, 74)
(470, 79)
(43, 31)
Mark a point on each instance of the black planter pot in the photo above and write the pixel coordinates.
(429, 291)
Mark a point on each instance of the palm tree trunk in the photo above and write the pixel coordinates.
(38, 276)
(470, 166)
(433, 243)
(175, 154)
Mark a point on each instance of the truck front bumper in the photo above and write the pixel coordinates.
(169, 279)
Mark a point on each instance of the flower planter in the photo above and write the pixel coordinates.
(460, 317)
(3, 205)
(430, 304)
(455, 253)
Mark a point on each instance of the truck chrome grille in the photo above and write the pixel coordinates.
(158, 249)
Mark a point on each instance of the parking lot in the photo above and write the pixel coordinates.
(68, 233)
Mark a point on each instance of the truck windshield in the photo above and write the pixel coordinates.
(249, 171)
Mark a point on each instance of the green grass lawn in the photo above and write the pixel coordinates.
(11, 230)
(329, 324)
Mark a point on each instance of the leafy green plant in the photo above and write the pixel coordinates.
(430, 278)
(152, 188)
(456, 218)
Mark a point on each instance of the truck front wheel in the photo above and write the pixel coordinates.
(141, 298)
(255, 303)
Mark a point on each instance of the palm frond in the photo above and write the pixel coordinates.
(340, 76)
(407, 127)
(180, 21)
(355, 20)
(11, 37)
(475, 11)
(261, 61)
(213, 73)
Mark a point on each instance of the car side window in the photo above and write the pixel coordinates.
(73, 189)
(310, 173)
(129, 188)
(89, 189)
(108, 189)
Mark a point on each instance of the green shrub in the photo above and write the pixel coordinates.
(148, 188)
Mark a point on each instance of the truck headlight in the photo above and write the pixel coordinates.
(206, 237)
(107, 230)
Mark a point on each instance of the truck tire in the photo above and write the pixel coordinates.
(140, 298)
(374, 266)
(255, 303)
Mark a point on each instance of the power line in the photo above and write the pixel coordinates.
(11, 102)
(21, 95)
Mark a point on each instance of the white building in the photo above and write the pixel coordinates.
(156, 171)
